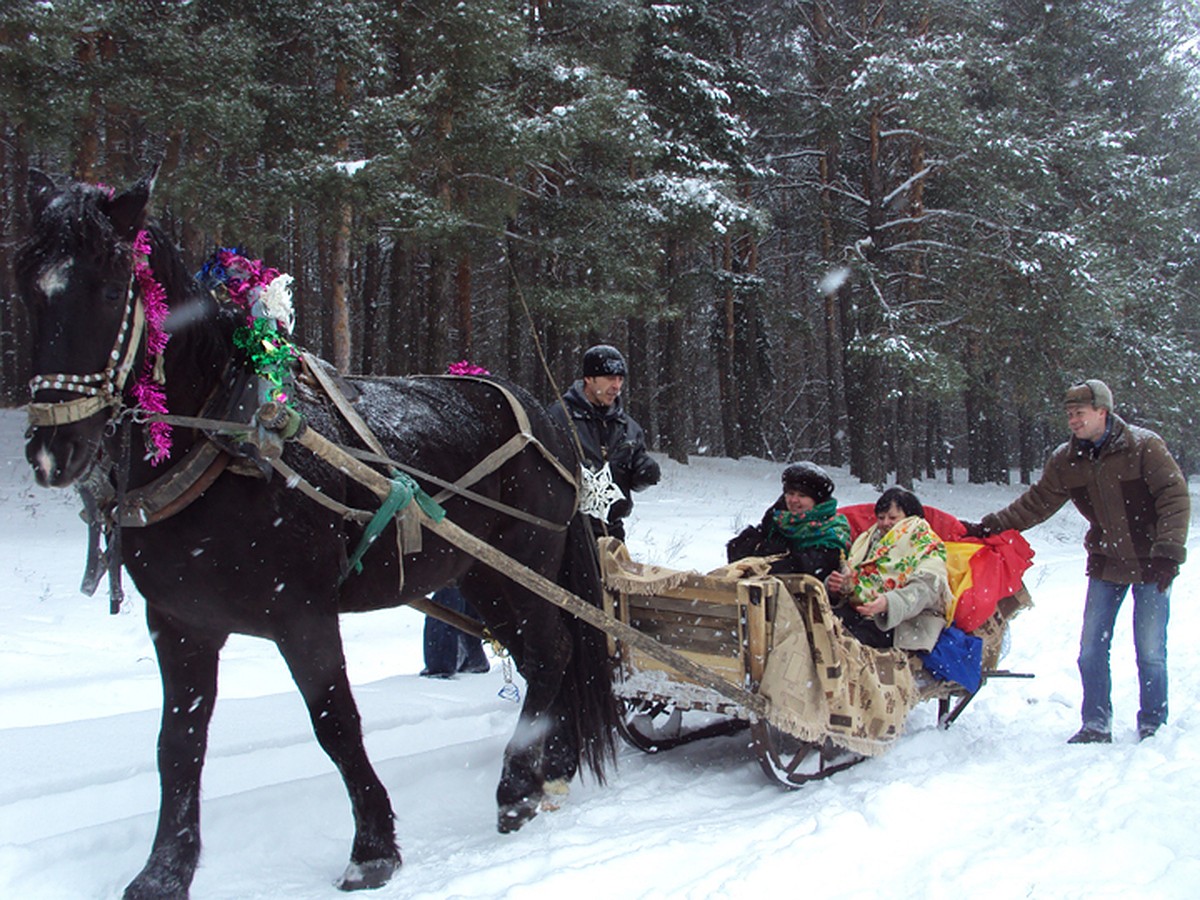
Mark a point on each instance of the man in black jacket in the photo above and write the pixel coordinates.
(613, 444)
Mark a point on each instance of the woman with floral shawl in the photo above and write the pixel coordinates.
(803, 523)
(895, 578)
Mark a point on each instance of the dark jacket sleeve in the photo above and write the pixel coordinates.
(631, 462)
(753, 541)
(645, 471)
(558, 412)
(744, 543)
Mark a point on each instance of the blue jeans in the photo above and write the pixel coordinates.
(1151, 609)
(448, 650)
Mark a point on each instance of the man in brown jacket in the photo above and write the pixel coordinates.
(1127, 485)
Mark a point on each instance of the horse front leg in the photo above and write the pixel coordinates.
(313, 652)
(188, 667)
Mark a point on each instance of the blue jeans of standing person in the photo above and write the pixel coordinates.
(1151, 609)
(448, 650)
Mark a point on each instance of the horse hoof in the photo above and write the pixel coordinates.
(369, 875)
(555, 795)
(514, 815)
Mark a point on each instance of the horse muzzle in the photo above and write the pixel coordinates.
(59, 456)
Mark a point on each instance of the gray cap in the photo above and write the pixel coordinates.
(1092, 392)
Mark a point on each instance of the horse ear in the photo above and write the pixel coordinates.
(127, 210)
(41, 188)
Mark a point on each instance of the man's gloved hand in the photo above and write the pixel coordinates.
(1163, 571)
(976, 530)
(645, 472)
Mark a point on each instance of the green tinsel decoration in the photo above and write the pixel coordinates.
(270, 354)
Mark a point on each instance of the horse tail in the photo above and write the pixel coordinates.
(587, 692)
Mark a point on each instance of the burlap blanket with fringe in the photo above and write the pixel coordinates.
(821, 682)
(622, 573)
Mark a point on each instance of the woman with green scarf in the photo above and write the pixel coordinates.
(803, 523)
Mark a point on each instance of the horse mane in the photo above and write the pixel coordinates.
(207, 324)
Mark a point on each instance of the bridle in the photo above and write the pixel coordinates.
(99, 390)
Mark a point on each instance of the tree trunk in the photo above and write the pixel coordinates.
(431, 350)
(1026, 456)
(727, 387)
(674, 436)
(904, 445)
(462, 306)
(639, 385)
(15, 364)
(374, 336)
(88, 145)
(864, 378)
(339, 300)
(401, 334)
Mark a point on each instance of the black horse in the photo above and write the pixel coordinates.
(253, 555)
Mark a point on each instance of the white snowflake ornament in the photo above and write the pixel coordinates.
(598, 493)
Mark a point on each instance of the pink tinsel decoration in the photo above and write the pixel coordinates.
(149, 394)
(247, 278)
(466, 368)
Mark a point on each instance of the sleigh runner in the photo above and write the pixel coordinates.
(816, 701)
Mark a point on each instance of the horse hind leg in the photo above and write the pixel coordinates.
(188, 667)
(522, 782)
(313, 653)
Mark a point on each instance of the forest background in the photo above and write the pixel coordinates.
(877, 234)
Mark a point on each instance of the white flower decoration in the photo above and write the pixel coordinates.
(275, 302)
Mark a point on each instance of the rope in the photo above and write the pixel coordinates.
(245, 432)
(542, 355)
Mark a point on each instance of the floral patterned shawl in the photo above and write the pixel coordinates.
(884, 563)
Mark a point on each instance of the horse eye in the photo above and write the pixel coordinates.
(112, 293)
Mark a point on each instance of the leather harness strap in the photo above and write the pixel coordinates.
(509, 448)
(176, 488)
(334, 393)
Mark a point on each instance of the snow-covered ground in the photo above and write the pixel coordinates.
(996, 807)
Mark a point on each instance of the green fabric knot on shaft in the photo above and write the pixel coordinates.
(402, 492)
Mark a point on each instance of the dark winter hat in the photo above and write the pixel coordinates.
(1092, 392)
(603, 360)
(809, 479)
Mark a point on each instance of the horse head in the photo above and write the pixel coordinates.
(75, 273)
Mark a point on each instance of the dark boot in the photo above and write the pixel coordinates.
(1087, 735)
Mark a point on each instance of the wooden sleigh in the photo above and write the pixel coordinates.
(734, 624)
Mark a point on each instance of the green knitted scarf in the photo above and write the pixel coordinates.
(821, 526)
